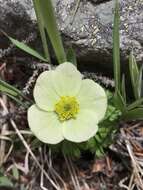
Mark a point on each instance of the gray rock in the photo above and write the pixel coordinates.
(88, 29)
(91, 29)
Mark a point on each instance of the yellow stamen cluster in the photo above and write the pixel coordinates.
(66, 108)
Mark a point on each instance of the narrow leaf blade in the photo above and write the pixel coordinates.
(40, 21)
(135, 104)
(123, 89)
(5, 87)
(116, 48)
(134, 74)
(71, 56)
(134, 114)
(119, 102)
(50, 25)
(27, 49)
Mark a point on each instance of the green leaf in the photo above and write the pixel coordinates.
(116, 48)
(49, 22)
(15, 172)
(41, 28)
(140, 81)
(134, 114)
(70, 149)
(103, 138)
(7, 88)
(27, 49)
(119, 102)
(123, 89)
(18, 101)
(71, 56)
(12, 92)
(5, 182)
(134, 74)
(135, 104)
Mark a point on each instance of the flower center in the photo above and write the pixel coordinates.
(66, 108)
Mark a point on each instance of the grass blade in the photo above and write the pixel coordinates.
(36, 4)
(134, 74)
(17, 100)
(71, 56)
(134, 114)
(116, 48)
(135, 104)
(48, 16)
(27, 49)
(123, 89)
(13, 93)
(140, 81)
(7, 88)
(119, 102)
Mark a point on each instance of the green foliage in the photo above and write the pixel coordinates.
(116, 48)
(119, 107)
(71, 56)
(27, 49)
(15, 172)
(72, 149)
(136, 76)
(5, 182)
(41, 28)
(47, 25)
(5, 87)
(130, 110)
(106, 132)
(98, 143)
(135, 104)
(47, 21)
(134, 114)
(13, 93)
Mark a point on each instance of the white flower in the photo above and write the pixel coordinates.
(67, 107)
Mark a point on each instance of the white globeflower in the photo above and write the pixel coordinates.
(66, 107)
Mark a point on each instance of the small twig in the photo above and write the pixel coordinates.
(52, 170)
(137, 170)
(73, 175)
(121, 183)
(28, 148)
(4, 127)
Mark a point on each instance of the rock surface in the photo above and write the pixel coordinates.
(88, 28)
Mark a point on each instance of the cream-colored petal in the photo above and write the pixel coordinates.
(93, 97)
(67, 79)
(82, 128)
(44, 93)
(45, 125)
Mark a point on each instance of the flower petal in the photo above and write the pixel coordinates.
(93, 97)
(82, 128)
(45, 125)
(67, 79)
(44, 94)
